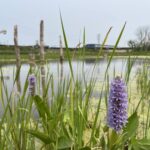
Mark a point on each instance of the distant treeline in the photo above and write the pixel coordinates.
(30, 49)
(142, 40)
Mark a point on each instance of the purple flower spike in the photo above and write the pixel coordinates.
(32, 80)
(117, 105)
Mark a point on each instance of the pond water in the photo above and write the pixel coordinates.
(62, 71)
(80, 67)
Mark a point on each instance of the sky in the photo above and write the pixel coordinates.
(96, 16)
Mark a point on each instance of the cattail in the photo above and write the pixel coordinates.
(117, 105)
(32, 80)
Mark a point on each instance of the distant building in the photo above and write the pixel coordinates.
(92, 46)
(98, 46)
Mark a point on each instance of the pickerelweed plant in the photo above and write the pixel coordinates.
(117, 104)
(32, 82)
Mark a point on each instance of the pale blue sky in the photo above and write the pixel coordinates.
(95, 15)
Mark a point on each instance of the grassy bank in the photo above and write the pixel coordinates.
(9, 55)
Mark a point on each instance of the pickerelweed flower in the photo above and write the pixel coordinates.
(117, 105)
(32, 80)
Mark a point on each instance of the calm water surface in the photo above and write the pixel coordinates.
(80, 67)
(54, 68)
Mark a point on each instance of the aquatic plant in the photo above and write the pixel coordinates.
(117, 105)
(32, 80)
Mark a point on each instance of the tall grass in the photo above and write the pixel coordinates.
(64, 116)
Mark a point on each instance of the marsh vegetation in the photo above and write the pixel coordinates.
(64, 105)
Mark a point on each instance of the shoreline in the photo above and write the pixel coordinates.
(7, 60)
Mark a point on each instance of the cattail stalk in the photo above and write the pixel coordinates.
(42, 40)
(43, 79)
(61, 51)
(18, 60)
(17, 50)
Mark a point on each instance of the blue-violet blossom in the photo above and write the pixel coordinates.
(117, 105)
(32, 80)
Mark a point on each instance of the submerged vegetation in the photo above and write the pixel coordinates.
(62, 115)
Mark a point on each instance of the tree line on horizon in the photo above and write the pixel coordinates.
(142, 40)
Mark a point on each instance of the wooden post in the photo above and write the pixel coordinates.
(61, 51)
(17, 50)
(42, 40)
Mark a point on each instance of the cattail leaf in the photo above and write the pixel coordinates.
(67, 49)
(114, 49)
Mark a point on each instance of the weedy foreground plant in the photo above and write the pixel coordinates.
(64, 119)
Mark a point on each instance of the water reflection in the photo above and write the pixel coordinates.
(43, 78)
(61, 71)
(18, 83)
(117, 67)
(32, 62)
